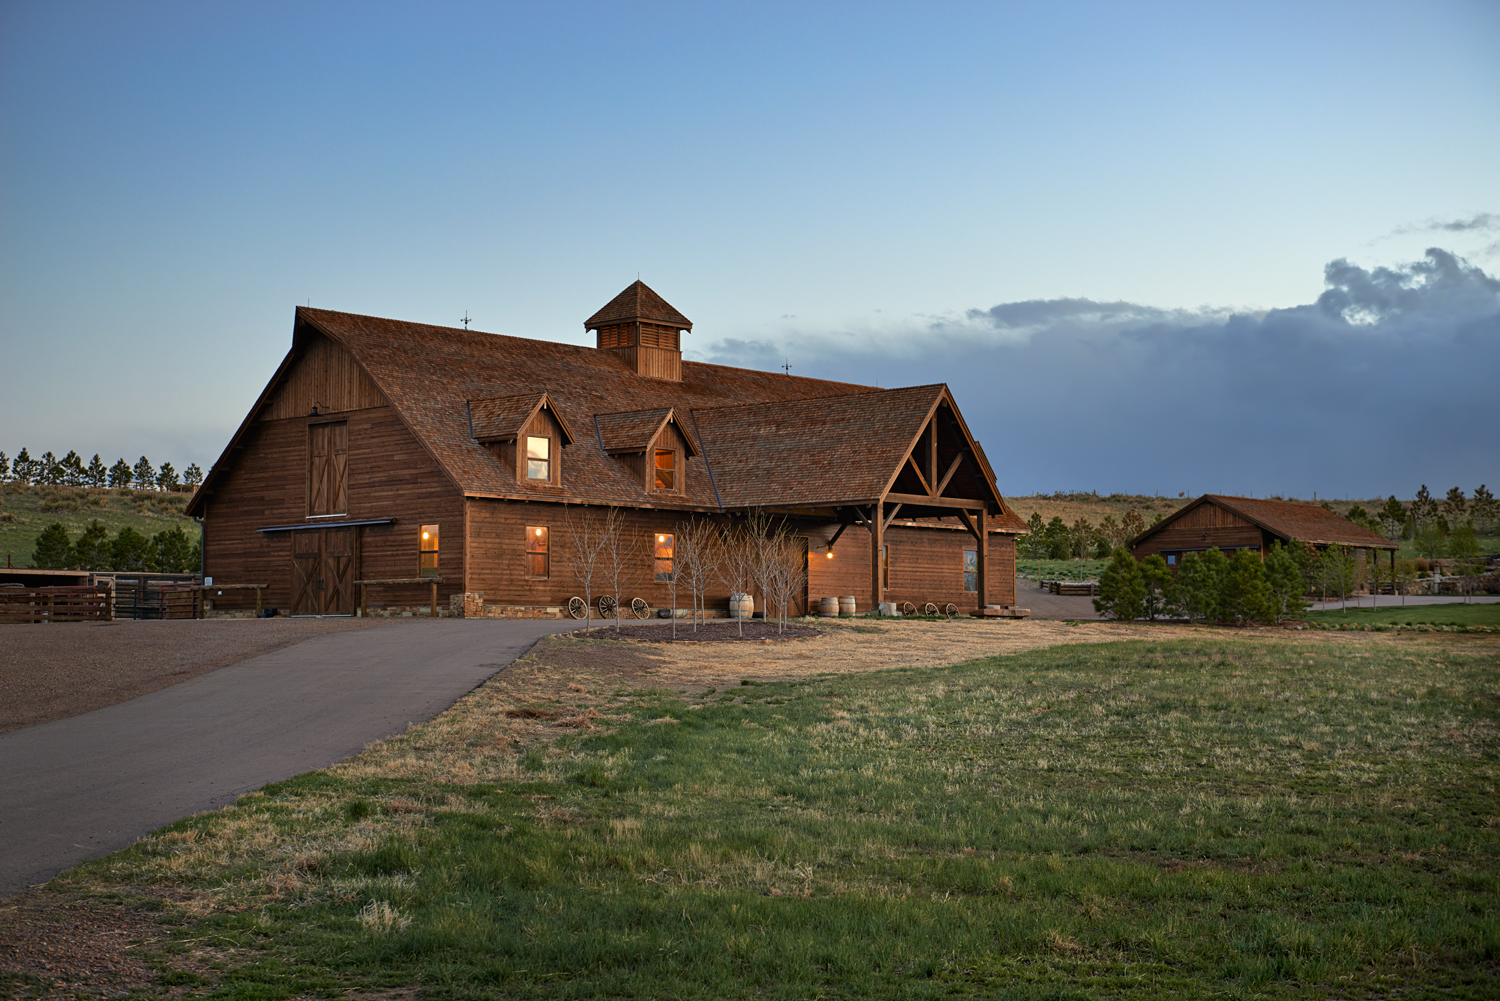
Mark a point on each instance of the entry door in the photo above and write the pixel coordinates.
(325, 565)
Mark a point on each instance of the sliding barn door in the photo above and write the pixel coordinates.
(307, 571)
(325, 565)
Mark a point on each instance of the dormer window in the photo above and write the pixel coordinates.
(666, 469)
(538, 458)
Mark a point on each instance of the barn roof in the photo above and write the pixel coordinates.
(762, 438)
(1287, 519)
(638, 302)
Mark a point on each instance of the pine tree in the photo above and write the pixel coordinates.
(1057, 538)
(1454, 505)
(1393, 518)
(1423, 508)
(92, 551)
(1121, 588)
(120, 474)
(192, 475)
(73, 472)
(166, 477)
(1132, 524)
(173, 551)
(96, 474)
(130, 550)
(1081, 538)
(1286, 577)
(4, 467)
(1156, 583)
(1247, 595)
(54, 550)
(145, 474)
(52, 471)
(1484, 507)
(21, 469)
(1199, 587)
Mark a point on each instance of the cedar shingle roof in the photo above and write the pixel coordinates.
(638, 302)
(766, 438)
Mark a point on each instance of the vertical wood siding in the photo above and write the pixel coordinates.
(326, 376)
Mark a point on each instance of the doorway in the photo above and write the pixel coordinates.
(325, 565)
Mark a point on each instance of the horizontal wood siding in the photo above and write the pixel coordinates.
(927, 564)
(326, 376)
(1177, 539)
(390, 475)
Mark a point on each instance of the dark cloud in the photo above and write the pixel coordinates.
(1482, 222)
(1385, 382)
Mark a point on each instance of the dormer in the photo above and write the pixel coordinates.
(644, 330)
(651, 445)
(525, 434)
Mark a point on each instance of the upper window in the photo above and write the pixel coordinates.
(328, 469)
(662, 555)
(971, 569)
(666, 469)
(427, 563)
(538, 457)
(885, 566)
(536, 552)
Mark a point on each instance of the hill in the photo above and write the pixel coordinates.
(26, 510)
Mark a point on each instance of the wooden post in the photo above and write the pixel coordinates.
(983, 556)
(877, 540)
(364, 601)
(434, 599)
(259, 592)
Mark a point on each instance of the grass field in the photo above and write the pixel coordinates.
(1303, 815)
(1448, 614)
(1060, 569)
(34, 508)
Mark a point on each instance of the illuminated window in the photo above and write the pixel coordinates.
(663, 554)
(666, 468)
(971, 570)
(538, 458)
(428, 565)
(536, 552)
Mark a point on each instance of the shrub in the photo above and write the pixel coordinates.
(1156, 585)
(1199, 588)
(1121, 587)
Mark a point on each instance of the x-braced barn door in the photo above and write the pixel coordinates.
(325, 564)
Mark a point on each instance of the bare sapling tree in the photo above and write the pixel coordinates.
(620, 559)
(764, 539)
(585, 557)
(788, 577)
(697, 559)
(736, 564)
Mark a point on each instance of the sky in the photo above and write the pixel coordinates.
(1153, 247)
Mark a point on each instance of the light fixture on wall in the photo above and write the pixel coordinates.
(829, 554)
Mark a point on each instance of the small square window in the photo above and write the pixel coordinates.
(537, 561)
(885, 566)
(427, 565)
(538, 458)
(666, 468)
(662, 556)
(971, 570)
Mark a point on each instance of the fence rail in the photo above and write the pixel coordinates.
(57, 604)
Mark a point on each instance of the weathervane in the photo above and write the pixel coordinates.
(786, 366)
(466, 321)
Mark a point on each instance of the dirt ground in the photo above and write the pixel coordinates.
(50, 672)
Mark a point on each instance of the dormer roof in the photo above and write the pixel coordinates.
(635, 430)
(501, 418)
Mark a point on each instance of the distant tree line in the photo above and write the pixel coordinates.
(70, 471)
(1434, 526)
(1057, 540)
(170, 551)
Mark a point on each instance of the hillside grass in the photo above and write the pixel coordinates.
(1301, 816)
(34, 508)
(1456, 613)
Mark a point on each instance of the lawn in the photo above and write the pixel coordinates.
(1456, 613)
(1303, 816)
(34, 508)
(1060, 569)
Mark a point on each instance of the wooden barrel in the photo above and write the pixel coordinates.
(829, 608)
(741, 606)
(846, 604)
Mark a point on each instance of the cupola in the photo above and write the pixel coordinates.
(643, 329)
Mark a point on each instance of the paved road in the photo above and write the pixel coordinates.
(1397, 601)
(78, 788)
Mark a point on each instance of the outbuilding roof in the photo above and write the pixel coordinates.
(1286, 519)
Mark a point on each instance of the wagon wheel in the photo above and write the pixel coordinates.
(640, 608)
(931, 609)
(606, 607)
(577, 607)
(951, 610)
(907, 608)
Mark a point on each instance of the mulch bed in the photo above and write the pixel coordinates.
(712, 631)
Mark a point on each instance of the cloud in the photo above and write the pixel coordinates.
(1481, 222)
(1383, 383)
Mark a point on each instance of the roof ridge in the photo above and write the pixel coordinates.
(867, 391)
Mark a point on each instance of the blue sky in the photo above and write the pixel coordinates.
(1161, 192)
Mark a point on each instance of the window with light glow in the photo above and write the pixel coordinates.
(971, 570)
(538, 457)
(427, 565)
(662, 554)
(885, 566)
(666, 468)
(537, 562)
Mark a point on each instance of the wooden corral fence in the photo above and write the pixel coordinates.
(95, 603)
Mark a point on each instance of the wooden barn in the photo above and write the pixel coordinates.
(1233, 523)
(394, 451)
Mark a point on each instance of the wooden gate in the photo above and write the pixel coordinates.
(325, 564)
